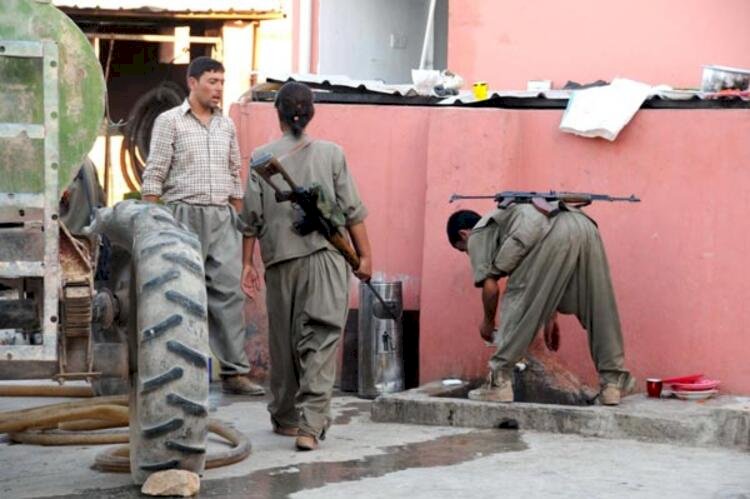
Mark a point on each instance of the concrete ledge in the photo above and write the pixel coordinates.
(718, 422)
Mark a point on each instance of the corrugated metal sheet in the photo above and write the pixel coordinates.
(663, 95)
(468, 97)
(343, 83)
(194, 6)
(344, 90)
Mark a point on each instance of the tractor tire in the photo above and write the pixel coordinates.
(169, 390)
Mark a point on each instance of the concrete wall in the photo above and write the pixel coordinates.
(275, 49)
(507, 42)
(677, 259)
(373, 39)
(440, 33)
(238, 47)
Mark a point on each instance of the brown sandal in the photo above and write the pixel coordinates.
(287, 431)
(306, 442)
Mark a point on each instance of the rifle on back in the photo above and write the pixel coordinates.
(309, 201)
(542, 200)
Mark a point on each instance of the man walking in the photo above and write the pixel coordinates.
(194, 168)
(307, 279)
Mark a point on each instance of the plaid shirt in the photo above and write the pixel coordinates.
(191, 162)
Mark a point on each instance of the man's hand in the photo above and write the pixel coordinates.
(552, 334)
(364, 272)
(490, 297)
(150, 198)
(250, 282)
(487, 331)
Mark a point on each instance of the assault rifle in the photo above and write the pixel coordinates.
(317, 213)
(542, 200)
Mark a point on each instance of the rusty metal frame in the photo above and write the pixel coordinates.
(208, 40)
(45, 205)
(216, 41)
(192, 16)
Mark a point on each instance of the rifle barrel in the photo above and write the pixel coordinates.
(603, 197)
(386, 306)
(456, 197)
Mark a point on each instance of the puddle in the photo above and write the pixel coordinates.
(217, 398)
(347, 411)
(344, 414)
(285, 480)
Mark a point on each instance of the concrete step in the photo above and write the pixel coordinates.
(718, 422)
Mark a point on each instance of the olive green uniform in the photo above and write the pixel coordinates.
(221, 249)
(553, 264)
(306, 281)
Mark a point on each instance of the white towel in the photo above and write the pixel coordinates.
(604, 111)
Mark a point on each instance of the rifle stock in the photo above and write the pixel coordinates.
(347, 251)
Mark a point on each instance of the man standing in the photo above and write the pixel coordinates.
(552, 264)
(194, 168)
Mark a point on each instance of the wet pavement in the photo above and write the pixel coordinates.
(286, 480)
(361, 458)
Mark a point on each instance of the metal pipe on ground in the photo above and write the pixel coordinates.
(29, 425)
(45, 391)
(117, 459)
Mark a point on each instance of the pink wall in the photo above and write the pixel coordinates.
(295, 33)
(508, 42)
(677, 258)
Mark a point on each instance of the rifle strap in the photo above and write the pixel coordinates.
(295, 149)
(545, 207)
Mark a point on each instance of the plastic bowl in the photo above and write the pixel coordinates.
(718, 78)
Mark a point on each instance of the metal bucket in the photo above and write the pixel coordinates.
(381, 365)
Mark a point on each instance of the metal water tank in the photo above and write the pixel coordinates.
(381, 366)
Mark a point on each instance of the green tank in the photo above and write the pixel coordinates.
(51, 97)
(68, 300)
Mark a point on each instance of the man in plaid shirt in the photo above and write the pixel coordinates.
(194, 168)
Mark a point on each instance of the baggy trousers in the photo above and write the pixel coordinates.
(307, 300)
(221, 246)
(567, 272)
